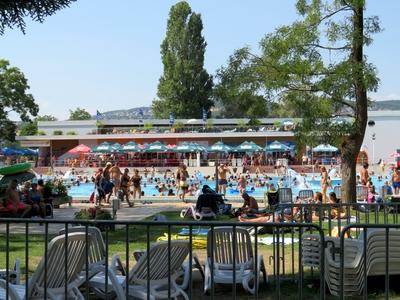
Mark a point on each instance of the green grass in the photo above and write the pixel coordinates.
(136, 235)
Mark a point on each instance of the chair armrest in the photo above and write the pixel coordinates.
(12, 292)
(117, 265)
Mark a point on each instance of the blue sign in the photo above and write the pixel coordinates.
(171, 119)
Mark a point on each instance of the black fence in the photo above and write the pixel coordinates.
(227, 263)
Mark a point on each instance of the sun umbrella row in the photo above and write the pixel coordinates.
(185, 147)
(18, 152)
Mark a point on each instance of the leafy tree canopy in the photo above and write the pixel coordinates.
(185, 86)
(13, 12)
(79, 114)
(46, 118)
(14, 97)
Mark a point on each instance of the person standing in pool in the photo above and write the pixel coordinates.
(222, 182)
(183, 175)
(324, 183)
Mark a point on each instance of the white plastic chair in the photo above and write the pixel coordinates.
(159, 273)
(14, 275)
(220, 257)
(56, 280)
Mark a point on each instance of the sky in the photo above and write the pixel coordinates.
(101, 56)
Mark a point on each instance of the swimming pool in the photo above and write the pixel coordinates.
(150, 189)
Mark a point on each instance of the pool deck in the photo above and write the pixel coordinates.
(125, 213)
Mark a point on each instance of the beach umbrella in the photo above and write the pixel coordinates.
(80, 149)
(185, 148)
(131, 147)
(219, 147)
(31, 152)
(248, 147)
(277, 147)
(116, 147)
(10, 151)
(104, 147)
(325, 148)
(156, 147)
(197, 147)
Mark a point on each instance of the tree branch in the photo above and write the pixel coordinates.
(345, 47)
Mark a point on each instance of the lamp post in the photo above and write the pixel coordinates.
(371, 124)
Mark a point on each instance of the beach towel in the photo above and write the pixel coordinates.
(270, 240)
(195, 231)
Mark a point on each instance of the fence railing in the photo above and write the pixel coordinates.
(290, 274)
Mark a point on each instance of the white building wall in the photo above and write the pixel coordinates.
(387, 135)
(79, 127)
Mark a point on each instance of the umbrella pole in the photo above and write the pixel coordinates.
(216, 174)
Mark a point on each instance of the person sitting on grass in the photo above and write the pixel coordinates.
(250, 204)
(337, 211)
(14, 205)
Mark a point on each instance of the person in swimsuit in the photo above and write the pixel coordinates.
(250, 204)
(183, 185)
(115, 174)
(241, 185)
(136, 184)
(13, 201)
(36, 200)
(222, 182)
(396, 180)
(324, 183)
(364, 174)
(125, 182)
(106, 184)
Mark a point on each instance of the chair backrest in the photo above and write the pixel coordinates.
(56, 254)
(306, 194)
(338, 191)
(285, 195)
(361, 192)
(273, 198)
(158, 255)
(221, 246)
(97, 249)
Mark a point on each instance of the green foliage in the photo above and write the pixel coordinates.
(41, 132)
(13, 12)
(209, 124)
(71, 133)
(239, 91)
(28, 128)
(241, 123)
(185, 87)
(57, 132)
(46, 118)
(178, 126)
(148, 126)
(13, 98)
(79, 114)
(254, 122)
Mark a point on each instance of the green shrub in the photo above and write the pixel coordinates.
(41, 132)
(57, 132)
(71, 133)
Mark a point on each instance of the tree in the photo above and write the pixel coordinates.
(46, 118)
(14, 98)
(28, 128)
(79, 114)
(13, 12)
(185, 86)
(318, 64)
(239, 91)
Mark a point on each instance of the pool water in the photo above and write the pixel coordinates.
(85, 189)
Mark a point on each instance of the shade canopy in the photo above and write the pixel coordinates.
(325, 148)
(79, 149)
(277, 147)
(186, 147)
(219, 147)
(104, 147)
(156, 147)
(131, 147)
(248, 147)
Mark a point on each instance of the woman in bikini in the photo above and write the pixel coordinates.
(136, 179)
(324, 183)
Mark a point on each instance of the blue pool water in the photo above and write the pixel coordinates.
(85, 189)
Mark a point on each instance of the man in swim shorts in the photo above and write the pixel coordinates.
(222, 182)
(183, 175)
(115, 173)
(396, 180)
(13, 202)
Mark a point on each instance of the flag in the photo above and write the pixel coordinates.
(171, 119)
(204, 115)
(99, 116)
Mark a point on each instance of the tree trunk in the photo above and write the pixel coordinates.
(351, 144)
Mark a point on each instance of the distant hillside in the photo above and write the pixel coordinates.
(386, 105)
(133, 113)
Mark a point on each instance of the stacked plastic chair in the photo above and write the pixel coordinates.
(354, 260)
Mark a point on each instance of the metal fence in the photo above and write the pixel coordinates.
(290, 275)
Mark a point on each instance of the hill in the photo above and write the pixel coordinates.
(134, 113)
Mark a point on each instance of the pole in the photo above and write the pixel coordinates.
(373, 148)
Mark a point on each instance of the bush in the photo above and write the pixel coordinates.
(57, 132)
(41, 132)
(71, 133)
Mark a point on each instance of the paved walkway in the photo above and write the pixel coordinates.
(125, 213)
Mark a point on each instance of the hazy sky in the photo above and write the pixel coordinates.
(101, 56)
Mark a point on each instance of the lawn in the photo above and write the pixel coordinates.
(135, 237)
